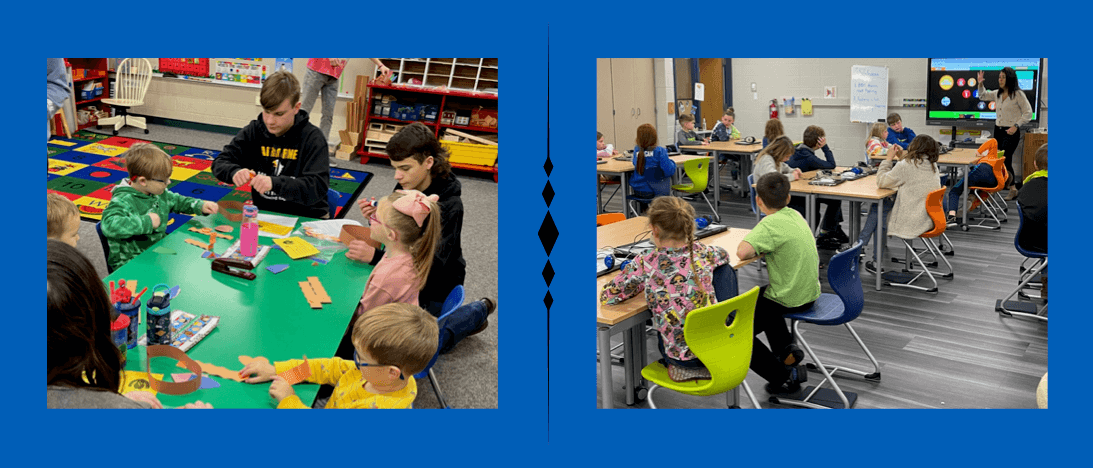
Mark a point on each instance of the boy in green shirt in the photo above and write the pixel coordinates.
(136, 217)
(784, 238)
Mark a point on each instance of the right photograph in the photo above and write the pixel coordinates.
(848, 233)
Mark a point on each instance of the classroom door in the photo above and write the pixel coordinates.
(633, 95)
(711, 73)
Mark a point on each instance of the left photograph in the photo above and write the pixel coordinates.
(272, 232)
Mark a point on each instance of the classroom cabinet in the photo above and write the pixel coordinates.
(455, 98)
(90, 85)
(1033, 141)
(629, 84)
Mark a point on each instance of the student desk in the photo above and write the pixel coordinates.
(621, 169)
(629, 316)
(745, 153)
(856, 192)
(265, 317)
(958, 157)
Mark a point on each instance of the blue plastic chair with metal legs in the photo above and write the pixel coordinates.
(452, 302)
(1006, 307)
(834, 309)
(105, 246)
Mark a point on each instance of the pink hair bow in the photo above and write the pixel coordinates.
(413, 205)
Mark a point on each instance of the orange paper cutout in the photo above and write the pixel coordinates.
(297, 374)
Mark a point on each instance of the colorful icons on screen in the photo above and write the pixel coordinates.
(945, 101)
(946, 82)
(960, 82)
(971, 82)
(967, 93)
(991, 105)
(982, 105)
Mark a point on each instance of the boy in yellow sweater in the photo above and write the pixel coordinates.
(393, 342)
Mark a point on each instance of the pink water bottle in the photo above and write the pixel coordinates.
(248, 237)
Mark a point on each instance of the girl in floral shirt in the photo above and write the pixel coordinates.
(676, 276)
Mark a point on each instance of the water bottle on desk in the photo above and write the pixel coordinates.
(248, 230)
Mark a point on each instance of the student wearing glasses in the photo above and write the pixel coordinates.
(391, 343)
(140, 205)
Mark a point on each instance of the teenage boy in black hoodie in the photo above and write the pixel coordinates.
(281, 154)
(421, 163)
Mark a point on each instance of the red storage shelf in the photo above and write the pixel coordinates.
(369, 117)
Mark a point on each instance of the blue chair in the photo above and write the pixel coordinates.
(105, 246)
(452, 302)
(834, 309)
(1006, 307)
(332, 197)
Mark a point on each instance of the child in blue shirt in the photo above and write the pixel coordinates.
(897, 133)
(652, 169)
(805, 159)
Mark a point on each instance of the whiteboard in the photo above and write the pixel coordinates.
(868, 93)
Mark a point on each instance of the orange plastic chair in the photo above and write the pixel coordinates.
(937, 214)
(990, 205)
(608, 218)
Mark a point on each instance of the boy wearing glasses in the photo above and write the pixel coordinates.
(140, 205)
(393, 342)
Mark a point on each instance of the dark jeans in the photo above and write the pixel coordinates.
(770, 319)
(1008, 143)
(982, 175)
(460, 323)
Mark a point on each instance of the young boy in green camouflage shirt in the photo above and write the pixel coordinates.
(136, 217)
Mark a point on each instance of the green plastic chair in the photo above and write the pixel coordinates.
(725, 350)
(698, 171)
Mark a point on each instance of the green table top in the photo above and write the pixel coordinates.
(268, 316)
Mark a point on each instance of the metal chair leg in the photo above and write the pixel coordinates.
(1041, 311)
(925, 271)
(805, 402)
(436, 388)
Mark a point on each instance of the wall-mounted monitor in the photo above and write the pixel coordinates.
(952, 89)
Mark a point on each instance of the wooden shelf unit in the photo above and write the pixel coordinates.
(376, 128)
(99, 66)
(458, 74)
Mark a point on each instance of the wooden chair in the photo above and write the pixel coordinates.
(133, 77)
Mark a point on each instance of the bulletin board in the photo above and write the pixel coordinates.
(250, 72)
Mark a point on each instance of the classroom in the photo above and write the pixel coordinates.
(941, 162)
(284, 220)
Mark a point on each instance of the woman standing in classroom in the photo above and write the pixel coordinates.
(1012, 111)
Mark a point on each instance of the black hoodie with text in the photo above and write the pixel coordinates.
(298, 163)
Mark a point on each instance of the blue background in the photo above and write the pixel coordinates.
(532, 426)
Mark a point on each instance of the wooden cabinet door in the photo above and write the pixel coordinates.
(633, 95)
(1033, 141)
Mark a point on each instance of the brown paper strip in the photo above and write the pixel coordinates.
(352, 232)
(320, 292)
(172, 388)
(231, 209)
(297, 374)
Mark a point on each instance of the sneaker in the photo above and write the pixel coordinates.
(871, 267)
(792, 355)
(797, 376)
(840, 236)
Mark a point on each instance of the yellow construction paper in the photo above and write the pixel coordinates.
(296, 247)
(274, 228)
(806, 106)
(137, 380)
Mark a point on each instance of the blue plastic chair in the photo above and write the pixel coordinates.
(1005, 307)
(332, 197)
(105, 246)
(754, 208)
(834, 309)
(452, 302)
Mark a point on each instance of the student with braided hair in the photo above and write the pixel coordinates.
(676, 276)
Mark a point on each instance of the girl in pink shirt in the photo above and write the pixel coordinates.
(408, 223)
